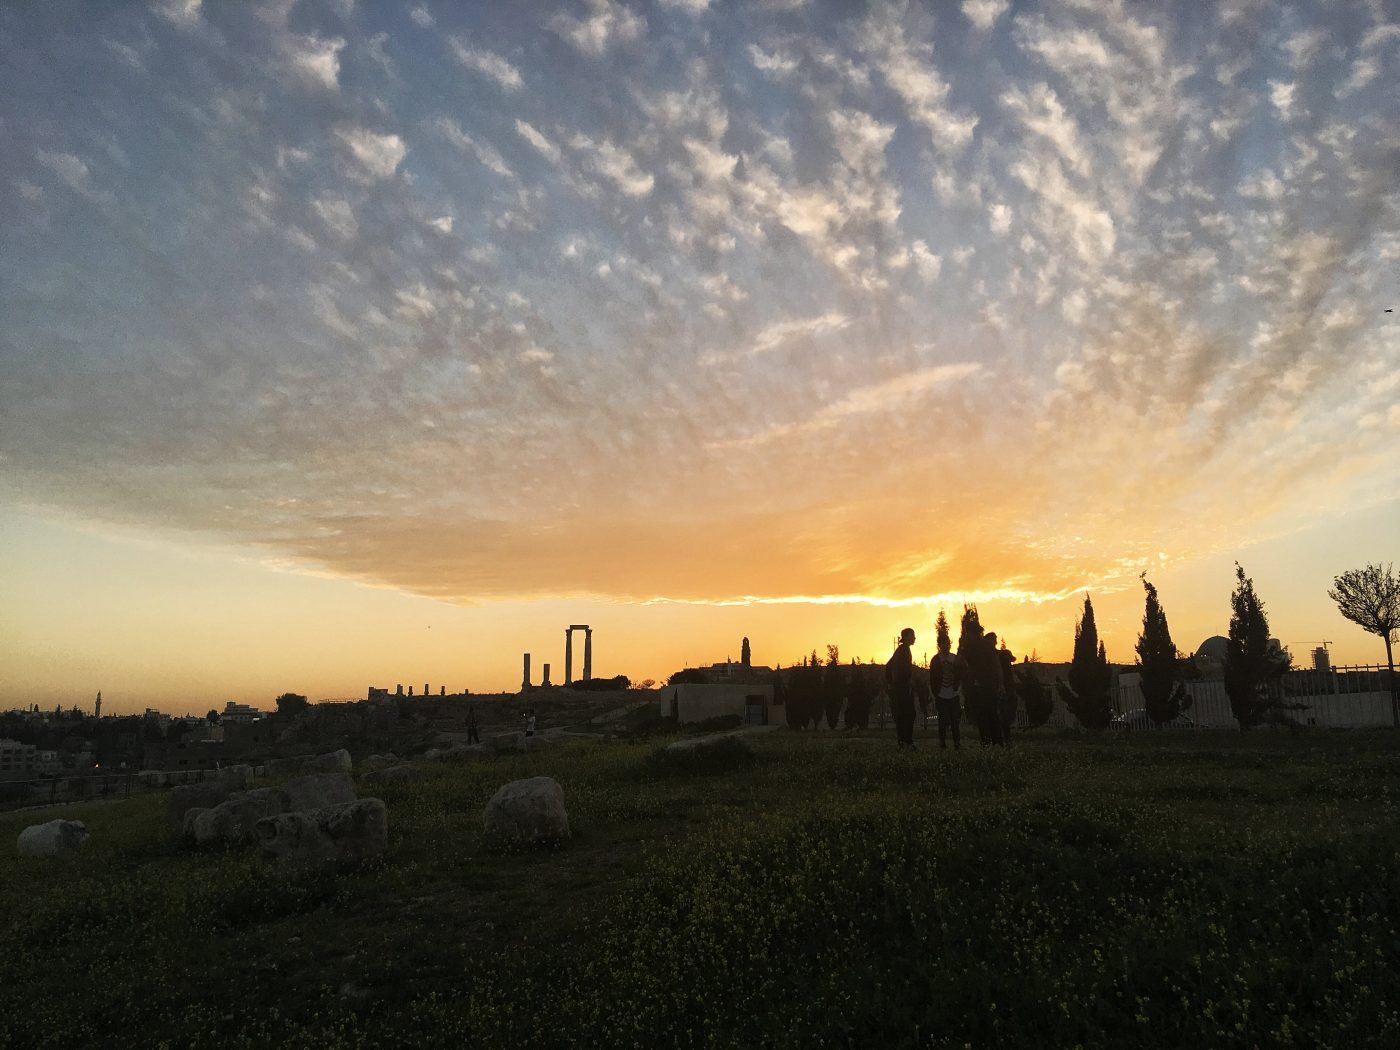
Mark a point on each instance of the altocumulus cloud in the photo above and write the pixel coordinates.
(650, 302)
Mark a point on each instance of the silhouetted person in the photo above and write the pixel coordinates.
(984, 700)
(899, 682)
(1006, 708)
(530, 722)
(473, 730)
(945, 679)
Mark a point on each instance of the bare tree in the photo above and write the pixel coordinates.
(1370, 598)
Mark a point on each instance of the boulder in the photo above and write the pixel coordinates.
(187, 822)
(332, 762)
(507, 742)
(232, 821)
(194, 796)
(380, 761)
(692, 745)
(53, 838)
(526, 812)
(394, 774)
(313, 792)
(348, 832)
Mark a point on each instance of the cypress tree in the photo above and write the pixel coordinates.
(1086, 694)
(745, 656)
(970, 632)
(833, 687)
(942, 631)
(1163, 695)
(1253, 664)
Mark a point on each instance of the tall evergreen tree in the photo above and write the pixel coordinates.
(970, 631)
(1253, 663)
(1164, 696)
(745, 655)
(833, 686)
(941, 629)
(1086, 694)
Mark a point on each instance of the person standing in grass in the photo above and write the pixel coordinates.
(945, 678)
(899, 683)
(473, 730)
(984, 701)
(530, 722)
(1006, 706)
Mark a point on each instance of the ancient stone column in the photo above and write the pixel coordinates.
(588, 654)
(545, 679)
(525, 678)
(569, 656)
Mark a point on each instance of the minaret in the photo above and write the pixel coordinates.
(97, 707)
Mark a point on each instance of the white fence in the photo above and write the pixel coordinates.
(1343, 698)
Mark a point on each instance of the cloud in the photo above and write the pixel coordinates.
(378, 154)
(484, 152)
(888, 396)
(614, 162)
(607, 23)
(984, 13)
(318, 60)
(535, 138)
(488, 64)
(731, 295)
(422, 17)
(338, 216)
(908, 69)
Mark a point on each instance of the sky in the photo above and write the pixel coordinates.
(347, 344)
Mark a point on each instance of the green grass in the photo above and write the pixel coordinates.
(1208, 889)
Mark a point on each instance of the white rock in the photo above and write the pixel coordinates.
(524, 812)
(313, 792)
(53, 838)
(351, 831)
(232, 821)
(331, 762)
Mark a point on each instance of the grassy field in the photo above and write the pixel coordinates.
(1213, 890)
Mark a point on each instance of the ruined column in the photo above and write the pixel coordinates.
(545, 680)
(525, 678)
(569, 656)
(588, 654)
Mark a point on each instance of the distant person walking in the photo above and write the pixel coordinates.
(945, 679)
(899, 683)
(530, 722)
(473, 730)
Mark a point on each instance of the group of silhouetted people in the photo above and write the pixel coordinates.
(982, 678)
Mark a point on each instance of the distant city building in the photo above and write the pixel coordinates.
(240, 713)
(1321, 659)
(17, 761)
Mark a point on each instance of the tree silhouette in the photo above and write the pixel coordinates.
(1035, 696)
(292, 704)
(1086, 694)
(970, 631)
(744, 654)
(1253, 663)
(1370, 598)
(1163, 694)
(941, 630)
(833, 686)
